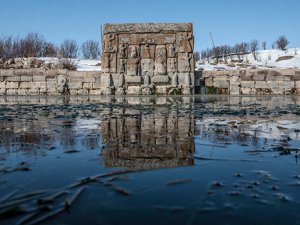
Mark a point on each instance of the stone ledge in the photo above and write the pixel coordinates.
(147, 27)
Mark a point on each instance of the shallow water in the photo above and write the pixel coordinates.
(150, 160)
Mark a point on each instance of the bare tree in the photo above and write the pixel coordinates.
(282, 42)
(254, 47)
(32, 45)
(264, 45)
(216, 51)
(69, 49)
(197, 56)
(50, 50)
(91, 49)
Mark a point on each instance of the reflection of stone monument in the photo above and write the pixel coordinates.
(151, 57)
(135, 139)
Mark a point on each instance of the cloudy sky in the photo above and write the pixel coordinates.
(230, 21)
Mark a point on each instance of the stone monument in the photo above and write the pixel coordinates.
(147, 58)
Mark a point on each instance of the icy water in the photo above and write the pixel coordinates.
(150, 160)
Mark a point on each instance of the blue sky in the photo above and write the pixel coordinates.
(230, 21)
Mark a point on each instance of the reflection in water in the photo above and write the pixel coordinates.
(155, 137)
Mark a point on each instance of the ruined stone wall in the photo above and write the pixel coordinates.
(251, 82)
(49, 82)
(148, 58)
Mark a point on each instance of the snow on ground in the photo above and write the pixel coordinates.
(265, 59)
(81, 64)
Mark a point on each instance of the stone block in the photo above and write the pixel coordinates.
(22, 91)
(51, 83)
(287, 72)
(62, 71)
(38, 71)
(38, 78)
(76, 79)
(87, 85)
(259, 77)
(234, 80)
(2, 84)
(248, 84)
(38, 84)
(73, 74)
(21, 72)
(274, 73)
(51, 90)
(75, 85)
(89, 79)
(13, 78)
(82, 92)
(248, 91)
(234, 90)
(261, 84)
(12, 85)
(297, 84)
(208, 82)
(295, 77)
(160, 79)
(25, 85)
(221, 82)
(161, 89)
(134, 90)
(95, 92)
(246, 77)
(7, 72)
(11, 91)
(33, 91)
(133, 79)
(288, 85)
(2, 91)
(26, 78)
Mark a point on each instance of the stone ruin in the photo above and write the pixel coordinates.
(147, 58)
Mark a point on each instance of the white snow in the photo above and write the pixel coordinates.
(81, 64)
(265, 59)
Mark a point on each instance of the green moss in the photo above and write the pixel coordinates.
(212, 90)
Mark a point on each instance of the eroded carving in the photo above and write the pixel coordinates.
(160, 60)
(146, 58)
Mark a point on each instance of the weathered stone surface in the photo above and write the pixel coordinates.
(133, 79)
(2, 85)
(160, 79)
(74, 85)
(261, 84)
(147, 66)
(260, 76)
(12, 85)
(25, 85)
(147, 28)
(248, 84)
(160, 60)
(172, 65)
(7, 73)
(184, 62)
(234, 90)
(38, 78)
(26, 78)
(147, 51)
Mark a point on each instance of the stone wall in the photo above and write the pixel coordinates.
(251, 82)
(49, 82)
(148, 58)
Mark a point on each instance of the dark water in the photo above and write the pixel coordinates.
(149, 160)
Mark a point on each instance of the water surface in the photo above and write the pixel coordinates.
(149, 160)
